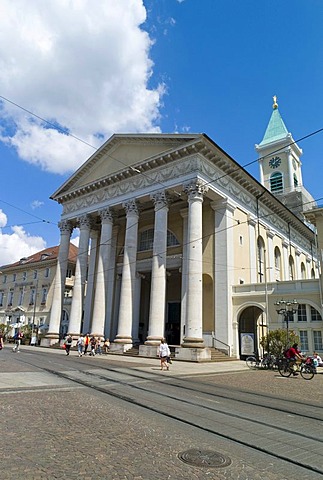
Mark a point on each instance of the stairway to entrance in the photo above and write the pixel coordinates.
(216, 355)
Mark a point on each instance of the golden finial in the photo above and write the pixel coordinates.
(275, 105)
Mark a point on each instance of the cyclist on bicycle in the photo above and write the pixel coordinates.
(294, 356)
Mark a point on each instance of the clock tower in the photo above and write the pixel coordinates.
(280, 165)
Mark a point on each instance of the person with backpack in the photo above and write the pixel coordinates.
(294, 355)
(68, 343)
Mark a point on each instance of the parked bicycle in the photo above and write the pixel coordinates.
(289, 367)
(267, 362)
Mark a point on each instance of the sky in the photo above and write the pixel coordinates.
(74, 72)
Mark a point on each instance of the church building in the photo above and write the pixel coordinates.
(177, 240)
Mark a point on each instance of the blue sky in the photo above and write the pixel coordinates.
(207, 66)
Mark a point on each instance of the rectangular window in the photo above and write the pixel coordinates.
(1, 298)
(317, 337)
(304, 340)
(21, 296)
(14, 276)
(24, 276)
(315, 315)
(4, 279)
(46, 273)
(10, 298)
(301, 313)
(32, 297)
(35, 274)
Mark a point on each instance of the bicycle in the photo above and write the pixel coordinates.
(267, 362)
(305, 368)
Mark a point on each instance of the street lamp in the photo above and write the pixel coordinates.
(287, 309)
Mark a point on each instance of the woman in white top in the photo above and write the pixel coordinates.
(164, 352)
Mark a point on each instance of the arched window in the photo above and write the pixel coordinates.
(303, 271)
(312, 273)
(276, 182)
(291, 266)
(146, 240)
(277, 263)
(261, 259)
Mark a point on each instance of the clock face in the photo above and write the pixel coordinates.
(275, 162)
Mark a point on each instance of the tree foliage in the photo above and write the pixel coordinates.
(276, 341)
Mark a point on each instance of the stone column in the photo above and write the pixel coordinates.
(80, 277)
(99, 307)
(184, 215)
(59, 284)
(112, 287)
(89, 293)
(194, 308)
(158, 272)
(223, 277)
(128, 277)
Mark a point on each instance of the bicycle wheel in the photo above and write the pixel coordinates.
(252, 362)
(307, 372)
(284, 369)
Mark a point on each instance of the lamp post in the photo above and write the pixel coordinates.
(287, 309)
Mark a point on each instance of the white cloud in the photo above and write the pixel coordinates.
(79, 64)
(36, 204)
(18, 244)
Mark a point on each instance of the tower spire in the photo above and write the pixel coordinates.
(275, 105)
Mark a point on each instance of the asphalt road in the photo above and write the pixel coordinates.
(117, 418)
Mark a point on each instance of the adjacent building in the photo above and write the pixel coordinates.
(26, 291)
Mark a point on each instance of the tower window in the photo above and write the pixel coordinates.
(276, 182)
(295, 181)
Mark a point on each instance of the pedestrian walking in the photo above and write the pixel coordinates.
(93, 346)
(98, 350)
(17, 337)
(80, 345)
(164, 352)
(86, 342)
(68, 343)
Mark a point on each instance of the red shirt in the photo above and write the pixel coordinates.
(292, 352)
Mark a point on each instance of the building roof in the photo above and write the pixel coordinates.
(50, 253)
(276, 129)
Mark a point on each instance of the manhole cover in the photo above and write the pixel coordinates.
(204, 458)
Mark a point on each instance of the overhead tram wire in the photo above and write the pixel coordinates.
(239, 167)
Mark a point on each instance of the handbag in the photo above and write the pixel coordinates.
(63, 346)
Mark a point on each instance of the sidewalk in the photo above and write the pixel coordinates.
(148, 364)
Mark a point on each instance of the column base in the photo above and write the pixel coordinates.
(193, 342)
(193, 354)
(153, 340)
(123, 339)
(49, 340)
(149, 350)
(119, 348)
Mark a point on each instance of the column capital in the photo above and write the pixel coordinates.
(106, 215)
(65, 226)
(160, 199)
(84, 222)
(131, 207)
(195, 189)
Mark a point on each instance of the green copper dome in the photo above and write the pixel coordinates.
(276, 129)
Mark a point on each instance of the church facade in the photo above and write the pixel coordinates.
(177, 240)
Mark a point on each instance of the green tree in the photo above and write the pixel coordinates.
(276, 341)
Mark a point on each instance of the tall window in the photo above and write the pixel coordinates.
(304, 340)
(315, 315)
(14, 277)
(4, 279)
(21, 296)
(261, 259)
(10, 298)
(276, 182)
(303, 271)
(44, 295)
(24, 276)
(312, 274)
(47, 273)
(35, 274)
(32, 296)
(291, 268)
(1, 298)
(295, 181)
(317, 337)
(277, 263)
(301, 313)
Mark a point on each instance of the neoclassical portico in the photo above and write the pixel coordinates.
(165, 232)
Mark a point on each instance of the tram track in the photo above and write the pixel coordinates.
(212, 419)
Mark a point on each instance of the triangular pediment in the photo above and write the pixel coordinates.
(122, 152)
